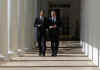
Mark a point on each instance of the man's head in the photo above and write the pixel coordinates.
(42, 12)
(53, 14)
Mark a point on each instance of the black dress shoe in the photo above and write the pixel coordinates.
(54, 54)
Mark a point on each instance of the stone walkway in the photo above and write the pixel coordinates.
(69, 58)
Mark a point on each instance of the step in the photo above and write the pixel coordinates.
(61, 48)
(67, 51)
(60, 52)
(49, 64)
(66, 46)
(65, 43)
(58, 55)
(50, 59)
(51, 68)
(49, 48)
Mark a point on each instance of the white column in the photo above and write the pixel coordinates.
(3, 28)
(29, 17)
(35, 14)
(12, 27)
(20, 27)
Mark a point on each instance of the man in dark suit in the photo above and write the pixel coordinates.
(54, 24)
(40, 24)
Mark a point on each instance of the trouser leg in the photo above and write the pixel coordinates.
(39, 45)
(43, 44)
(52, 47)
(56, 46)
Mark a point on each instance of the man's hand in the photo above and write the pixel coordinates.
(52, 26)
(39, 25)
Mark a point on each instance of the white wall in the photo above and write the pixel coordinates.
(90, 30)
(90, 22)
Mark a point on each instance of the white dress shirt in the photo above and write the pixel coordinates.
(41, 17)
(54, 19)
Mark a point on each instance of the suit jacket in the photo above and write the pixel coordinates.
(54, 32)
(52, 23)
(41, 26)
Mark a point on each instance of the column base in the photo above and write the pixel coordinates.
(20, 52)
(3, 58)
(12, 54)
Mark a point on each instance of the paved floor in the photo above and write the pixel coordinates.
(69, 58)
